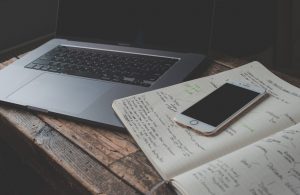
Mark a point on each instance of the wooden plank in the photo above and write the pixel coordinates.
(215, 68)
(137, 170)
(89, 172)
(18, 178)
(6, 63)
(54, 157)
(1, 66)
(104, 145)
(229, 61)
(22, 55)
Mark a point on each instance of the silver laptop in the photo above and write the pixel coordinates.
(105, 50)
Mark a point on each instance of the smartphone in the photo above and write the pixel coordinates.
(220, 108)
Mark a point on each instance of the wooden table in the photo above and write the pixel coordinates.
(75, 158)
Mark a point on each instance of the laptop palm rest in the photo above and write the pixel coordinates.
(62, 94)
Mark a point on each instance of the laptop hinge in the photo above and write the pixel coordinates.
(124, 44)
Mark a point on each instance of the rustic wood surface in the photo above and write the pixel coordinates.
(77, 158)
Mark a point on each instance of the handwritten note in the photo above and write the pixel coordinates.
(270, 166)
(149, 119)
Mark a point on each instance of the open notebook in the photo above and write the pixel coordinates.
(258, 154)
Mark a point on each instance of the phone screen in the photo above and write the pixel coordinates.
(220, 104)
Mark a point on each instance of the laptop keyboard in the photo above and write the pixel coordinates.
(136, 69)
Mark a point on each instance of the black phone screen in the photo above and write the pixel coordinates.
(220, 104)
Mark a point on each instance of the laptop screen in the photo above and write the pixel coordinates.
(165, 24)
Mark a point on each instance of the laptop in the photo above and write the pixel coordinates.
(105, 50)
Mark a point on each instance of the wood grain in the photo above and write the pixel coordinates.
(2, 65)
(106, 146)
(18, 178)
(229, 61)
(9, 61)
(53, 156)
(135, 168)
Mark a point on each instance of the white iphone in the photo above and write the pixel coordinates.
(220, 108)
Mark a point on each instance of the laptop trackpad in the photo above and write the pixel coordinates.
(66, 94)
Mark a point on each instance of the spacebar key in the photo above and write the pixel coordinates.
(76, 73)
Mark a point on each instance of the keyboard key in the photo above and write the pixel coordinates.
(31, 65)
(45, 67)
(38, 66)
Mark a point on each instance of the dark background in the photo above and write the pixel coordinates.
(264, 30)
(25, 24)
(169, 24)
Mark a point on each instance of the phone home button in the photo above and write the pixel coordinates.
(194, 122)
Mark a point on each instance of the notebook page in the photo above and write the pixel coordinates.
(174, 150)
(270, 166)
